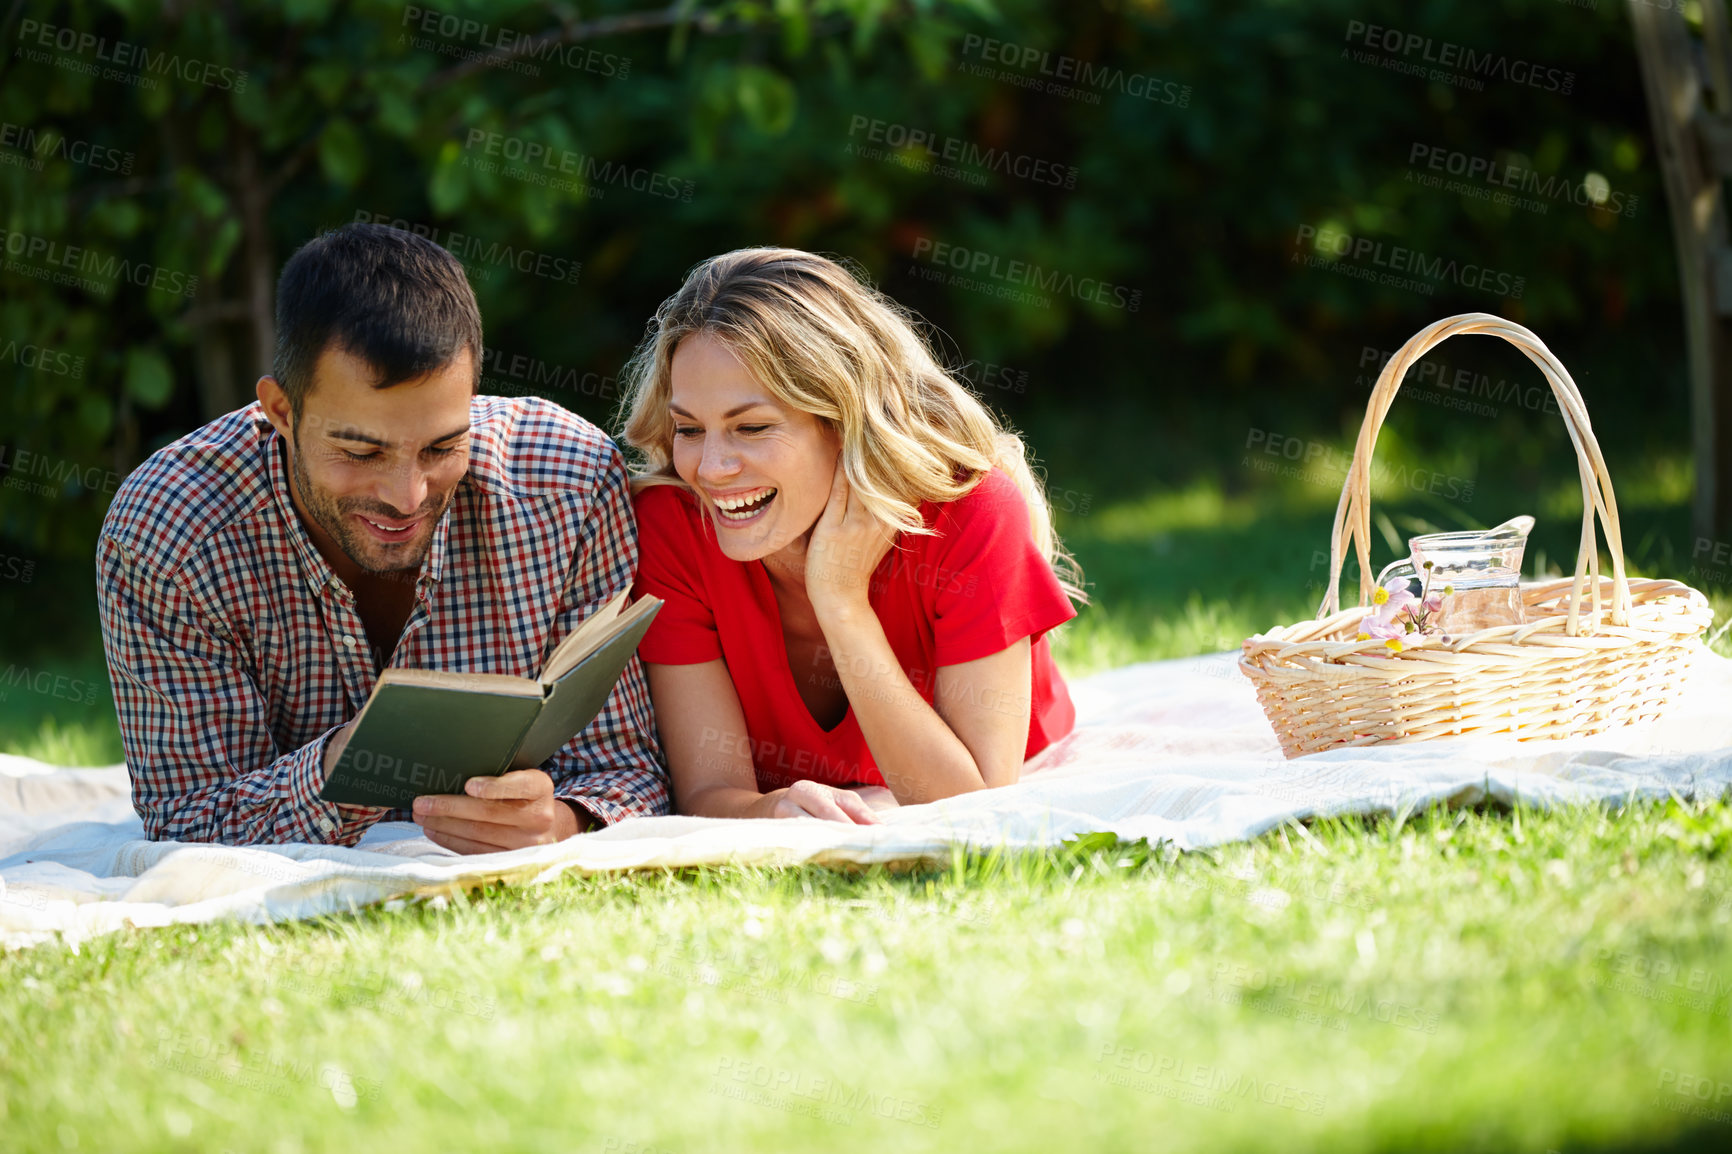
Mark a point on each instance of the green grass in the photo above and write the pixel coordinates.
(1458, 980)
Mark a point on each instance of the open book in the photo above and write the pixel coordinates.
(427, 731)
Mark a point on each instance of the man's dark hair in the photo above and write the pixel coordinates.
(396, 300)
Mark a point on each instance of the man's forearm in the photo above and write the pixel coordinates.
(276, 804)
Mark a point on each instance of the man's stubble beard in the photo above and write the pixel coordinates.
(331, 514)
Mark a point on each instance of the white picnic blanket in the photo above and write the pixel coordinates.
(1173, 750)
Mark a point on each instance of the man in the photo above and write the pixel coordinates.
(369, 511)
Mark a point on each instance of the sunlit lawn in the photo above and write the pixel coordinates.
(1456, 980)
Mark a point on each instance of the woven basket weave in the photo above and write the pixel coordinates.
(1565, 672)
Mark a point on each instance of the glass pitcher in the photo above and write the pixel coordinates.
(1481, 567)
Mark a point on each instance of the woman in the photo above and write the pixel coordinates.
(858, 567)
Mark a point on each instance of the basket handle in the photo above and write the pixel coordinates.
(1353, 513)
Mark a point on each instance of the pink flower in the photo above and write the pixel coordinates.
(1379, 629)
(1391, 599)
(1434, 603)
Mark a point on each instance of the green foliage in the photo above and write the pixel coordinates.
(312, 114)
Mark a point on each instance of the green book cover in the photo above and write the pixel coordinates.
(416, 739)
(426, 731)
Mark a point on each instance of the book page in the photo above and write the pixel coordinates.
(468, 682)
(574, 700)
(592, 634)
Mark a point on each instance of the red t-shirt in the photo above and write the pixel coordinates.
(970, 590)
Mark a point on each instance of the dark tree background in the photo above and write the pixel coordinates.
(1144, 229)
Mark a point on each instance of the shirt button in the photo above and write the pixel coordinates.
(349, 640)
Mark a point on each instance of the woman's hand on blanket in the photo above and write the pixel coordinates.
(510, 811)
(815, 799)
(876, 796)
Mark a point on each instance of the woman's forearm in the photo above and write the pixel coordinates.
(918, 754)
(728, 801)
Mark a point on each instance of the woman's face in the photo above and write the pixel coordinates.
(762, 471)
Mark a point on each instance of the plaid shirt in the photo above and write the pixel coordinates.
(236, 652)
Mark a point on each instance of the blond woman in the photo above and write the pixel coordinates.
(858, 566)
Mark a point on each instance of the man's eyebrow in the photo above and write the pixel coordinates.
(363, 438)
(735, 411)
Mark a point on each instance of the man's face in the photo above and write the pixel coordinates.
(374, 469)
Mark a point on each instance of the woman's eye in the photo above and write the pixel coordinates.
(686, 431)
(753, 428)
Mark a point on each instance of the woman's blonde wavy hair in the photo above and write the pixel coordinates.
(825, 342)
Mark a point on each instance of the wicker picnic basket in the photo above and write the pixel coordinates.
(1564, 673)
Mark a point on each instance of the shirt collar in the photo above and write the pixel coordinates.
(318, 571)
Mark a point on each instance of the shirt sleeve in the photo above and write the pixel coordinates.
(684, 631)
(614, 768)
(203, 763)
(991, 586)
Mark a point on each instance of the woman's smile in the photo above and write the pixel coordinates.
(740, 507)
